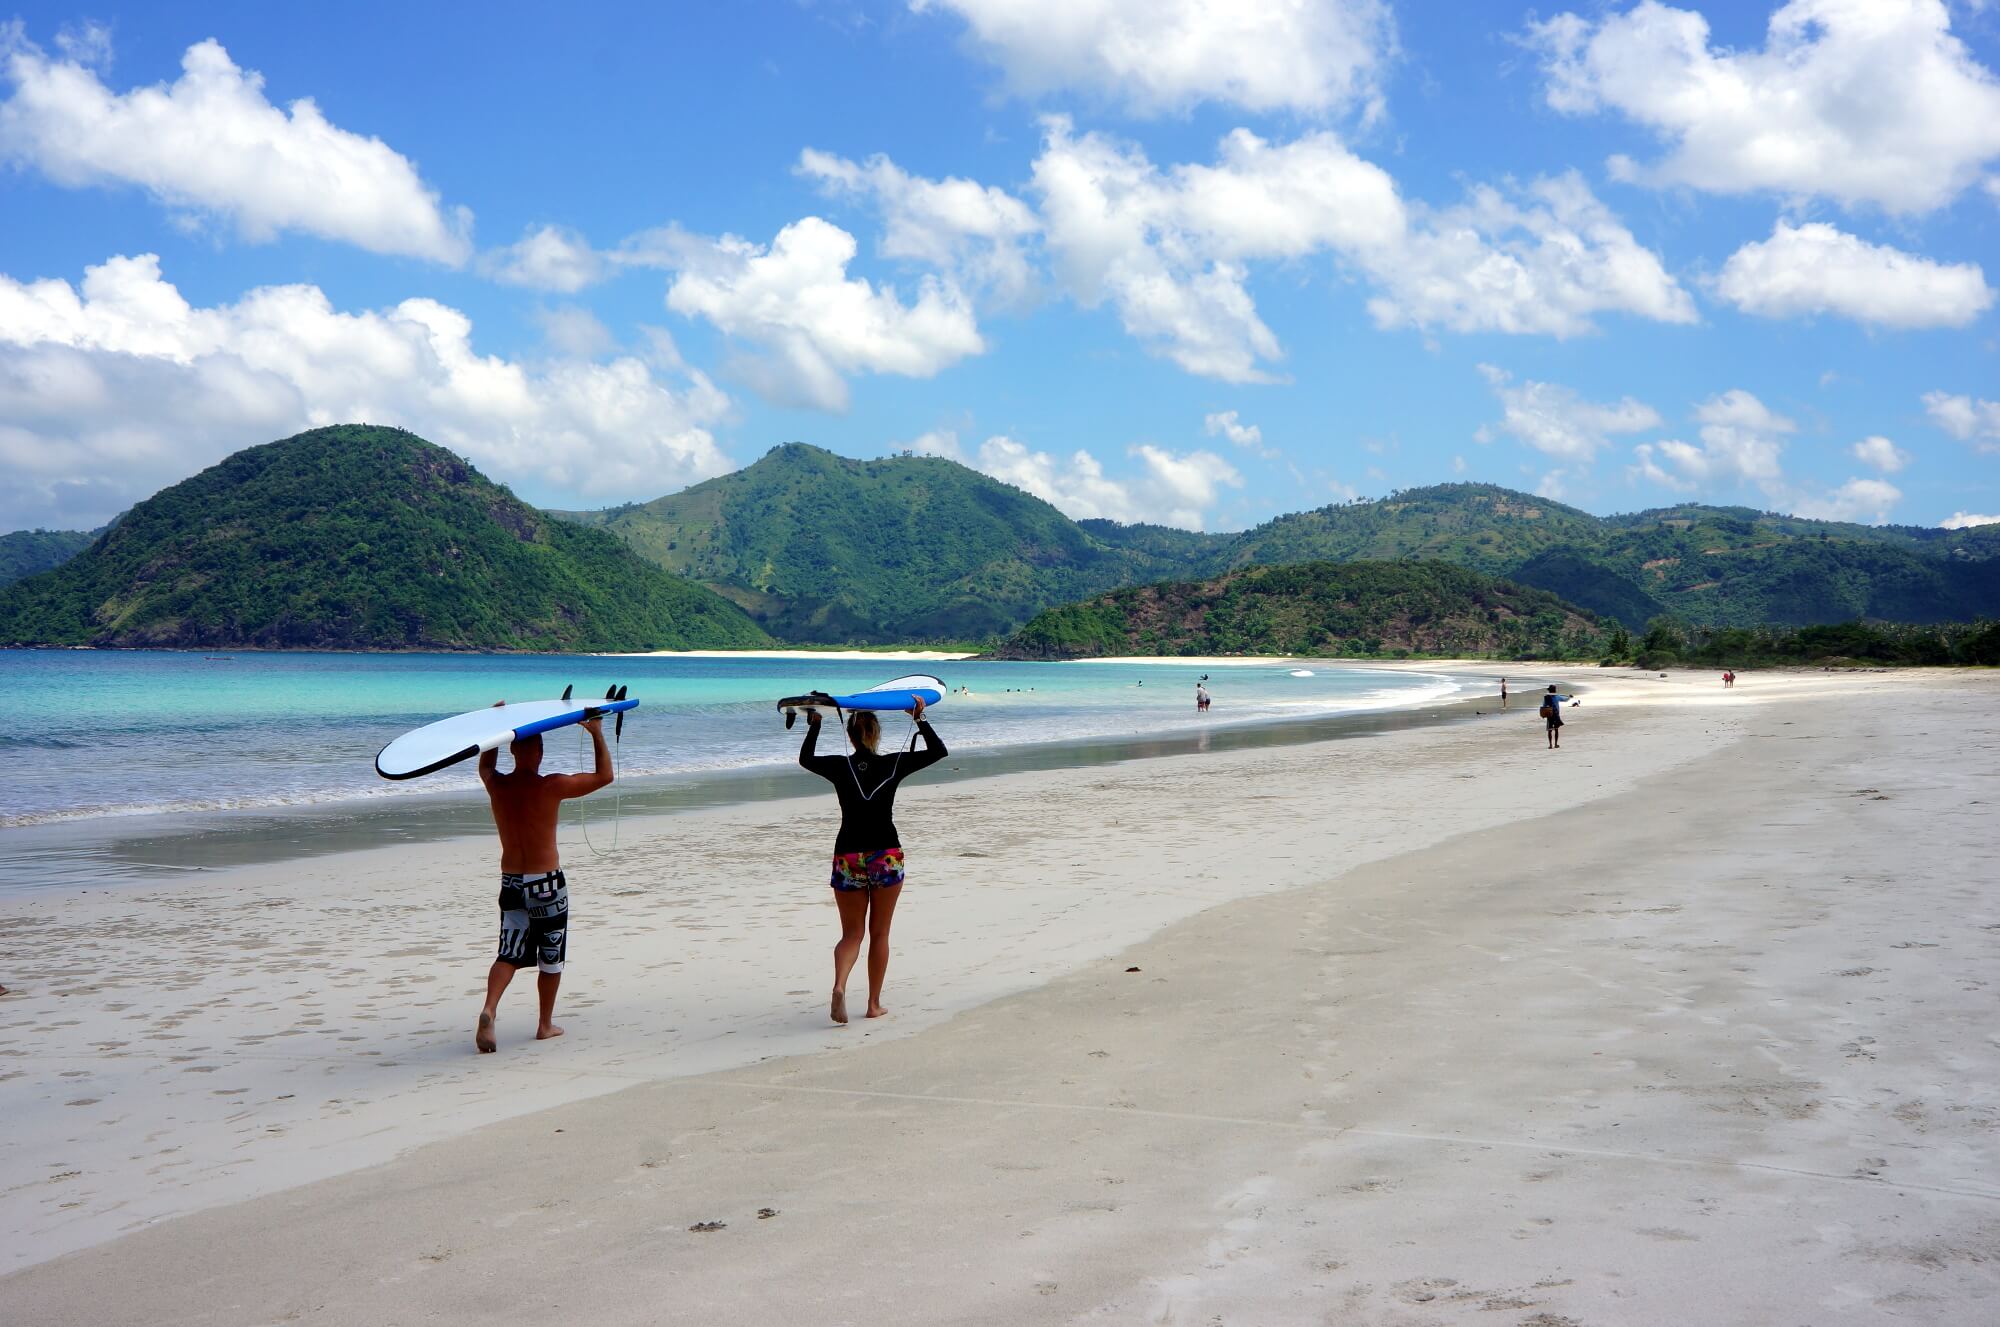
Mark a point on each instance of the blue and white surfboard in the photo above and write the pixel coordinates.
(901, 694)
(430, 748)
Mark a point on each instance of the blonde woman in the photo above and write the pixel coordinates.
(867, 854)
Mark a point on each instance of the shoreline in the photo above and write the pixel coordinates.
(149, 847)
(1440, 985)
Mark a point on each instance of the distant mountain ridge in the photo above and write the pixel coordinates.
(30, 552)
(1331, 608)
(313, 542)
(357, 537)
(1713, 566)
(822, 548)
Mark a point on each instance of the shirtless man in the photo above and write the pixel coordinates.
(534, 896)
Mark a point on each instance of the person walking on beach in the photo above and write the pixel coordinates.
(534, 895)
(1552, 714)
(867, 855)
(1503, 693)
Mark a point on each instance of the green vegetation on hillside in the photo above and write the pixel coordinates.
(823, 549)
(1336, 608)
(1717, 566)
(31, 552)
(360, 538)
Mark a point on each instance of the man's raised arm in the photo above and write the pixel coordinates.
(580, 785)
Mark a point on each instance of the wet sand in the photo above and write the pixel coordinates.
(1688, 1022)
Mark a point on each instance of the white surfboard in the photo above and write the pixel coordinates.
(430, 748)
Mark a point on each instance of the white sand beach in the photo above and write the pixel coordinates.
(1689, 1022)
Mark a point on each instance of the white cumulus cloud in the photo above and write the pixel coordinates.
(812, 324)
(114, 388)
(1814, 268)
(1171, 249)
(1965, 520)
(210, 143)
(1859, 101)
(1742, 439)
(1225, 424)
(967, 230)
(1157, 56)
(1170, 488)
(937, 442)
(553, 258)
(1879, 453)
(1544, 260)
(1969, 419)
(1865, 500)
(1554, 420)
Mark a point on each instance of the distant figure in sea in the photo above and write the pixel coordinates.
(1552, 715)
(1200, 699)
(867, 854)
(534, 895)
(1503, 693)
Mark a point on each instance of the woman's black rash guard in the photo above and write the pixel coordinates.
(865, 821)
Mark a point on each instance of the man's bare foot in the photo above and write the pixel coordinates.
(483, 1038)
(875, 1010)
(543, 1034)
(840, 1006)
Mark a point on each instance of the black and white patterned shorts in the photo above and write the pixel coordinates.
(534, 920)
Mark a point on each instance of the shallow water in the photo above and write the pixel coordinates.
(94, 733)
(149, 762)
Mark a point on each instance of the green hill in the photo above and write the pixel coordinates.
(1480, 526)
(30, 552)
(821, 548)
(359, 538)
(1343, 608)
(1712, 566)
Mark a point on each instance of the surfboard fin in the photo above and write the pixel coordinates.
(618, 729)
(566, 690)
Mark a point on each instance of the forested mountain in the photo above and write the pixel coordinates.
(1335, 608)
(1714, 566)
(27, 552)
(360, 538)
(821, 548)
(818, 547)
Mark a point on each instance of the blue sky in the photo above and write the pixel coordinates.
(1151, 259)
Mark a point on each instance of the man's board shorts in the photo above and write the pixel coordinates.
(868, 870)
(534, 920)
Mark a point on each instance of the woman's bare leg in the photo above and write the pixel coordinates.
(853, 904)
(881, 908)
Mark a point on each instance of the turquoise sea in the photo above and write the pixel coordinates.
(91, 734)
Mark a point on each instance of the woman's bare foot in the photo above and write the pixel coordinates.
(875, 1010)
(840, 1006)
(544, 1033)
(483, 1038)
